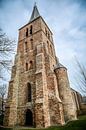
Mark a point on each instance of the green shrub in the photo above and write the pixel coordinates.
(72, 125)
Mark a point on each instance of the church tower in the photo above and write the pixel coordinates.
(39, 94)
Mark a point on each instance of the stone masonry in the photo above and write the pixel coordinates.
(39, 93)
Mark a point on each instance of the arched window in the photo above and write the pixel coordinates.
(26, 66)
(26, 32)
(29, 92)
(31, 29)
(25, 46)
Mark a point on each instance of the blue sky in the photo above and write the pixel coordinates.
(66, 19)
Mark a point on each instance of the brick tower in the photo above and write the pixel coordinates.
(39, 94)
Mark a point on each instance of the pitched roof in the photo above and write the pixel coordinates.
(35, 13)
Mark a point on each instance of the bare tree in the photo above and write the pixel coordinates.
(81, 77)
(2, 101)
(2, 98)
(7, 47)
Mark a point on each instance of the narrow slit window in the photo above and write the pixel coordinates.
(25, 46)
(26, 66)
(48, 48)
(26, 32)
(29, 92)
(31, 40)
(48, 36)
(46, 31)
(51, 50)
(31, 29)
(31, 65)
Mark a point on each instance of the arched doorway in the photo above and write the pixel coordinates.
(29, 118)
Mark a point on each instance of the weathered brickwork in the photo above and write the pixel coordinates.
(65, 94)
(39, 94)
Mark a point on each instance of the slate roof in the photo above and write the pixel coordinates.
(35, 13)
(59, 65)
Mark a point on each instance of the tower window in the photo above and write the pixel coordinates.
(31, 40)
(46, 31)
(25, 46)
(29, 92)
(31, 29)
(48, 36)
(51, 50)
(48, 47)
(26, 32)
(26, 66)
(31, 65)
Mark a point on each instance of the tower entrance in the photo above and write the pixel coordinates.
(29, 118)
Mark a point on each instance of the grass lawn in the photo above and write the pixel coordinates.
(72, 125)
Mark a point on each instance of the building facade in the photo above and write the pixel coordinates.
(39, 93)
